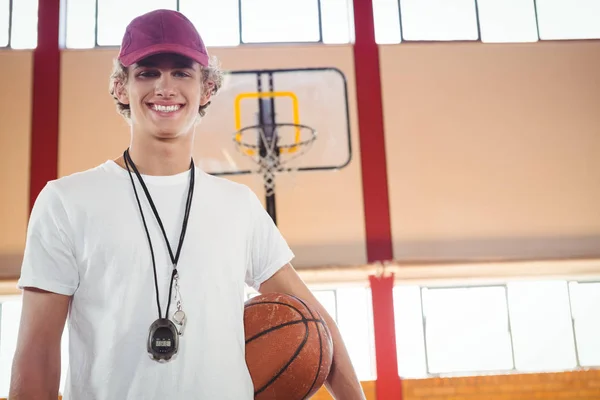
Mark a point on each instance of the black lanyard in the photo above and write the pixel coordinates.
(188, 205)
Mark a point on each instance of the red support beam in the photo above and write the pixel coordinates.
(375, 195)
(389, 385)
(45, 99)
(371, 134)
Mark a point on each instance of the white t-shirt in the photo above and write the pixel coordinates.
(86, 239)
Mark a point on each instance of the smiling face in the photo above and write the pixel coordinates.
(164, 93)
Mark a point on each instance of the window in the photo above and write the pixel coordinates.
(4, 22)
(262, 21)
(24, 24)
(336, 18)
(265, 21)
(18, 25)
(507, 20)
(327, 298)
(541, 325)
(585, 303)
(220, 26)
(114, 15)
(81, 24)
(410, 340)
(386, 17)
(568, 19)
(528, 326)
(439, 20)
(489, 20)
(355, 321)
(466, 329)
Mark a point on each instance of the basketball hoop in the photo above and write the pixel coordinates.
(266, 124)
(270, 152)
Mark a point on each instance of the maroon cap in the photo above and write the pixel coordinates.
(161, 31)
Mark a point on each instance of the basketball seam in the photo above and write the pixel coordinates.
(274, 328)
(278, 303)
(320, 348)
(290, 361)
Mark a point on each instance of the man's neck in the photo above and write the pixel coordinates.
(160, 158)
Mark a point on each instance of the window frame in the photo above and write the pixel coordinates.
(426, 346)
(320, 41)
(241, 27)
(505, 284)
(10, 22)
(241, 42)
(403, 39)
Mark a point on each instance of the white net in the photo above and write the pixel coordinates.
(278, 153)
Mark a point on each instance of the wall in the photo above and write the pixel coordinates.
(491, 150)
(15, 127)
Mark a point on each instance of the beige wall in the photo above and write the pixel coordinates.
(15, 127)
(491, 149)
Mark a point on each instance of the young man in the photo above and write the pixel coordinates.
(147, 246)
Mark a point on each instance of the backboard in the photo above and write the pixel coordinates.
(300, 114)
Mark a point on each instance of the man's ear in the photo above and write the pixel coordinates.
(206, 96)
(121, 92)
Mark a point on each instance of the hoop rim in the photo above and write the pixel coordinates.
(241, 143)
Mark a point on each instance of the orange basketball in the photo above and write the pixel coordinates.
(289, 349)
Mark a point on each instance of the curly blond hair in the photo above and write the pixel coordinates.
(212, 79)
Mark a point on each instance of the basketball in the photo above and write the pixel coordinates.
(289, 348)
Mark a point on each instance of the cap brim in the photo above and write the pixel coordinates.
(135, 56)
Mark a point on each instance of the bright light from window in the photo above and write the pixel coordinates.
(218, 27)
(467, 329)
(114, 15)
(327, 300)
(541, 325)
(4, 22)
(81, 24)
(355, 321)
(268, 21)
(24, 24)
(507, 20)
(336, 19)
(568, 19)
(410, 343)
(386, 17)
(585, 302)
(438, 19)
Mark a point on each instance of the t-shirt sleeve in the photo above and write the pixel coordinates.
(49, 261)
(268, 250)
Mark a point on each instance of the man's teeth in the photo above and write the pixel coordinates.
(160, 108)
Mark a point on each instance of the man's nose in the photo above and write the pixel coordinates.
(165, 86)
